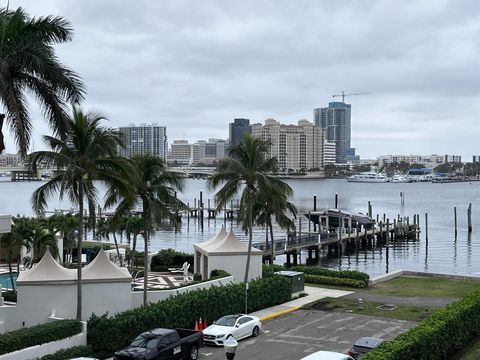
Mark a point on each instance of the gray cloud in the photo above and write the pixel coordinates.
(194, 66)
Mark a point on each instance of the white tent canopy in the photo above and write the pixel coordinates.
(47, 271)
(101, 268)
(226, 252)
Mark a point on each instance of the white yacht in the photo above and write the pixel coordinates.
(369, 177)
(400, 179)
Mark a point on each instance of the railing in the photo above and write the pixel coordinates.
(294, 242)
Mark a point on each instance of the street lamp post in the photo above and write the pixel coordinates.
(230, 346)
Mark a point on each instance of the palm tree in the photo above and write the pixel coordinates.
(133, 226)
(28, 64)
(66, 224)
(273, 203)
(88, 153)
(105, 227)
(153, 186)
(247, 166)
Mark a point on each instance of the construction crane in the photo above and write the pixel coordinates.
(352, 94)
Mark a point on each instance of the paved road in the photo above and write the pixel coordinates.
(302, 332)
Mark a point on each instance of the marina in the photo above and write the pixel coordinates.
(442, 252)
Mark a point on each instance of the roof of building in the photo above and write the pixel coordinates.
(226, 245)
(47, 270)
(101, 268)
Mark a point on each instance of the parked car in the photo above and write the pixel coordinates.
(239, 326)
(163, 344)
(327, 355)
(363, 346)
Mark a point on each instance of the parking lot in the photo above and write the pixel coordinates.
(302, 332)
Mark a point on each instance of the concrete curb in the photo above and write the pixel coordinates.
(280, 313)
(398, 273)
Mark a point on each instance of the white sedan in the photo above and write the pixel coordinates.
(239, 326)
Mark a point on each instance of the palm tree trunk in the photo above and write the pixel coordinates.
(2, 144)
(134, 247)
(116, 247)
(250, 236)
(272, 248)
(145, 257)
(79, 253)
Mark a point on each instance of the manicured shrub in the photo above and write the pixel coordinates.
(169, 258)
(268, 270)
(67, 354)
(106, 335)
(442, 335)
(217, 273)
(10, 296)
(346, 274)
(328, 280)
(39, 334)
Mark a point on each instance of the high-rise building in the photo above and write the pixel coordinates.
(475, 158)
(296, 147)
(336, 121)
(144, 139)
(211, 151)
(182, 153)
(238, 129)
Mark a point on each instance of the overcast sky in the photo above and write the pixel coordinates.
(193, 66)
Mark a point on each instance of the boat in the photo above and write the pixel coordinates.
(368, 177)
(400, 179)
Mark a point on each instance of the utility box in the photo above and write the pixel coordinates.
(297, 280)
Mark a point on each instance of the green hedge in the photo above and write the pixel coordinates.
(67, 354)
(107, 335)
(39, 334)
(345, 274)
(442, 335)
(216, 273)
(10, 296)
(268, 270)
(170, 258)
(328, 280)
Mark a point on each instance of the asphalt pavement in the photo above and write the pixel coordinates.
(302, 332)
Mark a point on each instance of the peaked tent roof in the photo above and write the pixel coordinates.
(213, 240)
(101, 268)
(229, 245)
(47, 270)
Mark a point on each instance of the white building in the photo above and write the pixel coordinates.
(144, 139)
(183, 153)
(296, 147)
(428, 160)
(10, 160)
(225, 251)
(329, 152)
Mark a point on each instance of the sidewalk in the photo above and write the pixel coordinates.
(313, 294)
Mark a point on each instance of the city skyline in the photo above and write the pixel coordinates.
(195, 71)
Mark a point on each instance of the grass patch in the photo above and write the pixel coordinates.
(412, 286)
(425, 286)
(402, 312)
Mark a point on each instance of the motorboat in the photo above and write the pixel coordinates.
(368, 177)
(400, 179)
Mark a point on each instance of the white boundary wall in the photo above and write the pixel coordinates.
(38, 351)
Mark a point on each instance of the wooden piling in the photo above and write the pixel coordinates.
(336, 200)
(426, 226)
(387, 233)
(455, 218)
(469, 215)
(315, 209)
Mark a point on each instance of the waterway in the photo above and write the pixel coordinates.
(442, 252)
